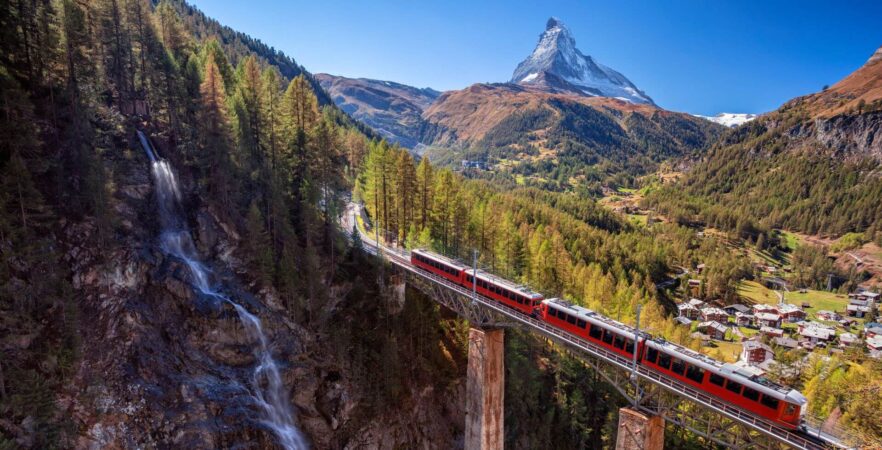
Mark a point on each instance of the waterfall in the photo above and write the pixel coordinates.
(175, 240)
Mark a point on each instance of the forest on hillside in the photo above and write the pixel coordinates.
(253, 143)
(259, 146)
(761, 177)
(568, 246)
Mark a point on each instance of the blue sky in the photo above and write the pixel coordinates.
(702, 57)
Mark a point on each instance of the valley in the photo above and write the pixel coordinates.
(204, 244)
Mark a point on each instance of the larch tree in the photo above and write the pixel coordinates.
(424, 190)
(405, 186)
(215, 134)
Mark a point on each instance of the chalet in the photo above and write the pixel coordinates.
(714, 314)
(848, 340)
(847, 322)
(872, 329)
(745, 320)
(865, 298)
(682, 320)
(714, 329)
(736, 308)
(828, 315)
(772, 332)
(815, 332)
(763, 308)
(786, 342)
(696, 303)
(858, 311)
(700, 268)
(770, 320)
(791, 313)
(688, 311)
(874, 346)
(755, 352)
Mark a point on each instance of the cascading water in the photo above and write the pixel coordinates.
(175, 239)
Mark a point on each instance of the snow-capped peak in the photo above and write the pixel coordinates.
(730, 119)
(558, 65)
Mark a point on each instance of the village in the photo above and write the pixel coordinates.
(761, 329)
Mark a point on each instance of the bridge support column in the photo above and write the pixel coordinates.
(638, 431)
(485, 390)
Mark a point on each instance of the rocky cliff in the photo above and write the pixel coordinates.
(162, 366)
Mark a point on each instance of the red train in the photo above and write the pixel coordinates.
(728, 382)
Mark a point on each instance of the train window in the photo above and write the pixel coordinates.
(607, 337)
(651, 354)
(581, 324)
(751, 394)
(595, 332)
(769, 402)
(619, 342)
(571, 319)
(664, 360)
(734, 387)
(678, 367)
(716, 379)
(790, 409)
(552, 312)
(629, 346)
(695, 373)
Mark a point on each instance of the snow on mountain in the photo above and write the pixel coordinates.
(730, 119)
(557, 65)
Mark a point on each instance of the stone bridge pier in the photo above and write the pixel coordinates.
(485, 390)
(638, 431)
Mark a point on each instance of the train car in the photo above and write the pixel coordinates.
(509, 294)
(728, 382)
(439, 265)
(583, 322)
(732, 384)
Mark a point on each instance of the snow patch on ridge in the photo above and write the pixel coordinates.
(730, 119)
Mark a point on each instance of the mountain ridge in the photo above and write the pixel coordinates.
(393, 110)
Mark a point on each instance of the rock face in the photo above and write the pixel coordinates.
(164, 367)
(556, 65)
(392, 109)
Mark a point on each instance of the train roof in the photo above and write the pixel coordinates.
(499, 281)
(727, 370)
(731, 371)
(595, 318)
(449, 261)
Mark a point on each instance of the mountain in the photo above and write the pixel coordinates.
(730, 119)
(393, 110)
(813, 165)
(557, 65)
(563, 140)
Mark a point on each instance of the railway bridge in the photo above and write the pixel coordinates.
(656, 401)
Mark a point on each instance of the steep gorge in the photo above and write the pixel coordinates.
(169, 365)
